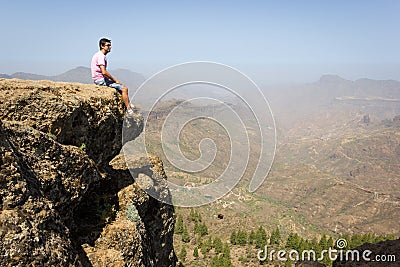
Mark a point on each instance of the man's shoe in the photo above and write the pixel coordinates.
(133, 107)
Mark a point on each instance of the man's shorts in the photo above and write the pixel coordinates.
(109, 83)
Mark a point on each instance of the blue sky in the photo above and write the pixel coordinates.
(270, 41)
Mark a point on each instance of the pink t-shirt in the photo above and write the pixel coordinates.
(98, 59)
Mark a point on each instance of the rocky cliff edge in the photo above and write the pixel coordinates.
(61, 202)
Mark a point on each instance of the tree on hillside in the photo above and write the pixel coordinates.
(323, 242)
(356, 240)
(314, 243)
(330, 242)
(261, 238)
(252, 237)
(226, 251)
(275, 237)
(233, 238)
(369, 238)
(179, 225)
(221, 261)
(241, 238)
(293, 241)
(182, 254)
(195, 216)
(206, 247)
(196, 253)
(218, 245)
(191, 215)
(324, 245)
(200, 228)
(304, 245)
(185, 235)
(204, 250)
(203, 229)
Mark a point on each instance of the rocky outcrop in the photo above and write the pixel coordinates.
(384, 253)
(150, 242)
(61, 203)
(150, 209)
(71, 113)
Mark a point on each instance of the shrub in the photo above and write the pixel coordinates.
(132, 213)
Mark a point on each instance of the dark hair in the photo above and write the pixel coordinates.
(103, 41)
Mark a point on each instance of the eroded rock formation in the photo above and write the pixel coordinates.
(61, 202)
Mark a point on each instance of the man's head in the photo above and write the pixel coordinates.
(105, 44)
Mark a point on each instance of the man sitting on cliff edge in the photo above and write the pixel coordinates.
(101, 76)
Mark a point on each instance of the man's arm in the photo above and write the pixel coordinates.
(107, 74)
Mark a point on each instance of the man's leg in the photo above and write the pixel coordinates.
(124, 91)
(125, 97)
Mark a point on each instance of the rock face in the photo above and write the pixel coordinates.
(37, 196)
(156, 238)
(61, 203)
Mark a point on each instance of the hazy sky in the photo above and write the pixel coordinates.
(271, 41)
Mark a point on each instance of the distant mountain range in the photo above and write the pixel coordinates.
(379, 98)
(336, 86)
(331, 87)
(82, 75)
